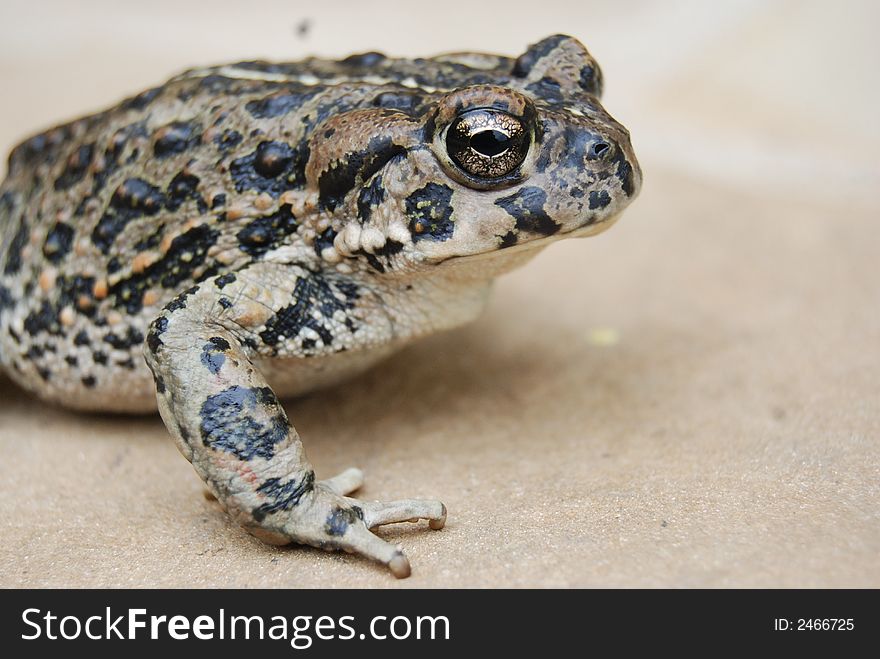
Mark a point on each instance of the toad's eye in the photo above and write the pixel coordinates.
(486, 143)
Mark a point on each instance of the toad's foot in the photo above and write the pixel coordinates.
(330, 520)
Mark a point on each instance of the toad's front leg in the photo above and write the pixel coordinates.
(229, 423)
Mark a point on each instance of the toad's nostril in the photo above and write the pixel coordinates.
(599, 149)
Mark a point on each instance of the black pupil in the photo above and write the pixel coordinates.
(490, 142)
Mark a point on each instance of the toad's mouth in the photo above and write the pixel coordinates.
(536, 243)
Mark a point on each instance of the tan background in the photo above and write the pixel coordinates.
(688, 400)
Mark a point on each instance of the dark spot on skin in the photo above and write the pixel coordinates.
(273, 167)
(577, 144)
(390, 248)
(526, 206)
(282, 495)
(374, 262)
(175, 305)
(81, 338)
(44, 373)
(6, 301)
(311, 293)
(18, 242)
(77, 166)
(34, 352)
(156, 330)
(324, 240)
(339, 520)
(132, 337)
(228, 423)
(71, 360)
(58, 242)
(366, 60)
(185, 255)
(577, 193)
(44, 319)
(430, 128)
(508, 240)
(272, 158)
(212, 354)
(99, 357)
(624, 173)
(277, 105)
(228, 139)
(41, 148)
(599, 199)
(354, 168)
(429, 210)
(219, 343)
(126, 363)
(591, 80)
(224, 280)
(142, 100)
(113, 265)
(370, 197)
(218, 201)
(525, 62)
(77, 292)
(180, 301)
(225, 302)
(183, 187)
(175, 138)
(160, 384)
(138, 196)
(546, 88)
(113, 154)
(266, 233)
(134, 198)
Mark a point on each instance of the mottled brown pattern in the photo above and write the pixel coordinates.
(262, 224)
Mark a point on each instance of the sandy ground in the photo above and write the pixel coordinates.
(691, 399)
